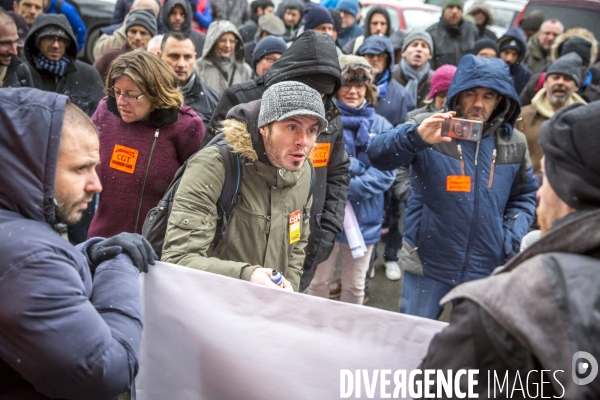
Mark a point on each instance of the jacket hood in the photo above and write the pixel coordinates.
(31, 123)
(485, 8)
(377, 45)
(295, 4)
(215, 31)
(515, 33)
(311, 53)
(43, 21)
(240, 128)
(473, 72)
(571, 33)
(379, 10)
(168, 7)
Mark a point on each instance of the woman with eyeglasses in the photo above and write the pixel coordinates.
(146, 133)
(222, 63)
(356, 100)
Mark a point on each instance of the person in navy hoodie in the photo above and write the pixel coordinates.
(393, 101)
(512, 46)
(470, 203)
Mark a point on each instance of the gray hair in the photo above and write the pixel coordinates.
(552, 21)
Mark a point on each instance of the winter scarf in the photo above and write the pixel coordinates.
(382, 84)
(356, 122)
(413, 77)
(55, 67)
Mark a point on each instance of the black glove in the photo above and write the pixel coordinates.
(134, 245)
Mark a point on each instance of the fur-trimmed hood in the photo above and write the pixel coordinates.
(240, 129)
(571, 33)
(484, 8)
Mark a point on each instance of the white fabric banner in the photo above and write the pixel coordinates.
(207, 336)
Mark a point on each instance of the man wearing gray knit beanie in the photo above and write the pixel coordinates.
(268, 227)
(414, 71)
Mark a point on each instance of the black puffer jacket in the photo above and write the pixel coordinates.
(82, 83)
(312, 53)
(533, 316)
(17, 74)
(451, 43)
(197, 37)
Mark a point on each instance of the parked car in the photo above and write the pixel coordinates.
(406, 15)
(580, 13)
(505, 13)
(96, 15)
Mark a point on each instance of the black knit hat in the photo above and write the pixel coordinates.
(143, 17)
(571, 146)
(485, 43)
(512, 44)
(568, 65)
(578, 45)
(322, 83)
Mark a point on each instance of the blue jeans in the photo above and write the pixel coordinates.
(421, 296)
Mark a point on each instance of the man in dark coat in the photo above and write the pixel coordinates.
(13, 71)
(71, 317)
(414, 71)
(258, 8)
(470, 203)
(393, 101)
(453, 37)
(538, 317)
(291, 12)
(51, 53)
(512, 46)
(176, 16)
(377, 22)
(311, 59)
(177, 50)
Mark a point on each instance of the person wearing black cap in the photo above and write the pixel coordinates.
(582, 42)
(13, 71)
(140, 27)
(559, 91)
(512, 51)
(486, 48)
(540, 312)
(266, 53)
(310, 59)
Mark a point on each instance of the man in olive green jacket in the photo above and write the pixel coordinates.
(269, 226)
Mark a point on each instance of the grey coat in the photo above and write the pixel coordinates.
(217, 71)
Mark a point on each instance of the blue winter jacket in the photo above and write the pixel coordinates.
(74, 18)
(348, 33)
(394, 104)
(519, 71)
(63, 335)
(462, 236)
(367, 185)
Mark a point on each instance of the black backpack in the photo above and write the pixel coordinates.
(155, 224)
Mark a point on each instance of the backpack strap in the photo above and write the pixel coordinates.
(540, 82)
(231, 186)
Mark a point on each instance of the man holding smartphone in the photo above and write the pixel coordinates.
(471, 201)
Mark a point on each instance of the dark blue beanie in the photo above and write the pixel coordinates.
(268, 45)
(315, 15)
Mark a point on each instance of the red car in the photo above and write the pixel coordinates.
(405, 15)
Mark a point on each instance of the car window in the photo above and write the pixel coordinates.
(504, 18)
(571, 17)
(420, 19)
(393, 16)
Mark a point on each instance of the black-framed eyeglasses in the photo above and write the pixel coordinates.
(113, 93)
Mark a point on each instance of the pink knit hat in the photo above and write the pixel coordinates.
(440, 81)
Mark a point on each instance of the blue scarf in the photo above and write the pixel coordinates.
(357, 122)
(588, 79)
(382, 85)
(55, 67)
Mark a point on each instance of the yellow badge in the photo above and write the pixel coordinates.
(319, 156)
(124, 158)
(295, 219)
(458, 183)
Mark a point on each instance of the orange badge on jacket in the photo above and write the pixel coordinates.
(124, 158)
(319, 156)
(458, 183)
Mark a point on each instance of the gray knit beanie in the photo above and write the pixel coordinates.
(287, 99)
(417, 34)
(143, 17)
(568, 65)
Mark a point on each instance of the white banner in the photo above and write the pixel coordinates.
(207, 336)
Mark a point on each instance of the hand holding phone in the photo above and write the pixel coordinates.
(463, 129)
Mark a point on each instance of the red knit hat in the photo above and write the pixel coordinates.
(440, 81)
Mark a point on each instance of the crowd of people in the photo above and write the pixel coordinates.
(288, 140)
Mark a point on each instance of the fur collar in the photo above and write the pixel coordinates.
(237, 135)
(158, 118)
